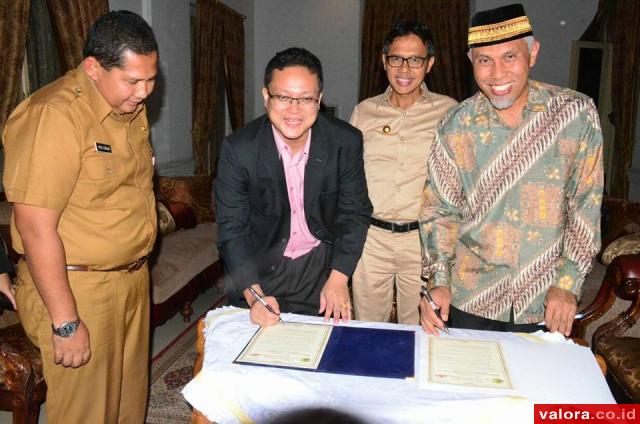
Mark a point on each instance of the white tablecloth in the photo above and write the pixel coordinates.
(542, 369)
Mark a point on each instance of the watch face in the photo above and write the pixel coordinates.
(66, 329)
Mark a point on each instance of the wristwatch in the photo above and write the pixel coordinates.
(66, 329)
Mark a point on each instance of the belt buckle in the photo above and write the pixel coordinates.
(136, 265)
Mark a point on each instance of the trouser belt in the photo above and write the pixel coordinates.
(394, 227)
(130, 267)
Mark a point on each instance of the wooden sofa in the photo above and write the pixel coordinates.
(186, 260)
(611, 314)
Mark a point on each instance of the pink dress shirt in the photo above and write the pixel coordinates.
(300, 239)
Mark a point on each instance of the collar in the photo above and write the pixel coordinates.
(86, 88)
(386, 96)
(282, 147)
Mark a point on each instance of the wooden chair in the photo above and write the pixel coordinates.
(22, 385)
(621, 354)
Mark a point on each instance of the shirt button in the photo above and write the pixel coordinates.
(273, 267)
(401, 138)
(283, 240)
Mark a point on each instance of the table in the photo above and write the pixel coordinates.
(230, 393)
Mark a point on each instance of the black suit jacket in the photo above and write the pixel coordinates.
(253, 211)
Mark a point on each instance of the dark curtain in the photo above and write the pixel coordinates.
(71, 21)
(42, 53)
(14, 18)
(219, 42)
(233, 40)
(618, 22)
(208, 52)
(448, 20)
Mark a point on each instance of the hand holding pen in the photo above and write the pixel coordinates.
(425, 319)
(272, 312)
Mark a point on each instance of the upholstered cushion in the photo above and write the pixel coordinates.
(15, 342)
(166, 224)
(622, 355)
(195, 190)
(181, 256)
(625, 245)
(183, 215)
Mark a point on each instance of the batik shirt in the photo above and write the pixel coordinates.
(507, 212)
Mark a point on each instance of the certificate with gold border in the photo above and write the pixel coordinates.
(469, 363)
(295, 345)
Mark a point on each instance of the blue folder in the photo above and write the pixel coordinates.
(370, 352)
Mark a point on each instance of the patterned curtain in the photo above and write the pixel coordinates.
(14, 18)
(219, 42)
(618, 22)
(448, 20)
(71, 21)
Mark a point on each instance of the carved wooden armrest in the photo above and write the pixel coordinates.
(16, 372)
(622, 280)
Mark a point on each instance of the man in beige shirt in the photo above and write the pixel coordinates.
(398, 128)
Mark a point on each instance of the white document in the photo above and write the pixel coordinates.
(469, 363)
(295, 345)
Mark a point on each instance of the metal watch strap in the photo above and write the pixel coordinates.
(66, 329)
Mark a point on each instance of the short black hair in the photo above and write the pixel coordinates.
(404, 28)
(293, 56)
(116, 33)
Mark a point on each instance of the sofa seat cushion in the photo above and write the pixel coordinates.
(623, 361)
(180, 257)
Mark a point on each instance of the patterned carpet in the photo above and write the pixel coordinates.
(170, 372)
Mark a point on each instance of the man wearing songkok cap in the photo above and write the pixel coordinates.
(510, 214)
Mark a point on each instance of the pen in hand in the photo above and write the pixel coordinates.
(265, 304)
(578, 316)
(436, 308)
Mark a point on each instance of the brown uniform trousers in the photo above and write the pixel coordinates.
(115, 308)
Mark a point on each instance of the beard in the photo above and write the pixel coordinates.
(501, 103)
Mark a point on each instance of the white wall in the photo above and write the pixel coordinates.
(330, 29)
(170, 104)
(555, 24)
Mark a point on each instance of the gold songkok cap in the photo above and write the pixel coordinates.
(499, 25)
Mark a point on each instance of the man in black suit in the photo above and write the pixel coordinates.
(293, 209)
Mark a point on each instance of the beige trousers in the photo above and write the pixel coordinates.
(388, 259)
(112, 387)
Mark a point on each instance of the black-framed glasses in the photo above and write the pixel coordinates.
(414, 62)
(284, 101)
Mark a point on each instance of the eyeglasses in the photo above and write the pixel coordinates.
(284, 101)
(414, 62)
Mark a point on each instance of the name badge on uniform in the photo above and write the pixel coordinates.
(101, 147)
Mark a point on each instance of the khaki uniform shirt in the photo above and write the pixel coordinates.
(66, 150)
(396, 146)
(510, 212)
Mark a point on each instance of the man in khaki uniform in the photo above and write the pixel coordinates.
(78, 168)
(398, 127)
